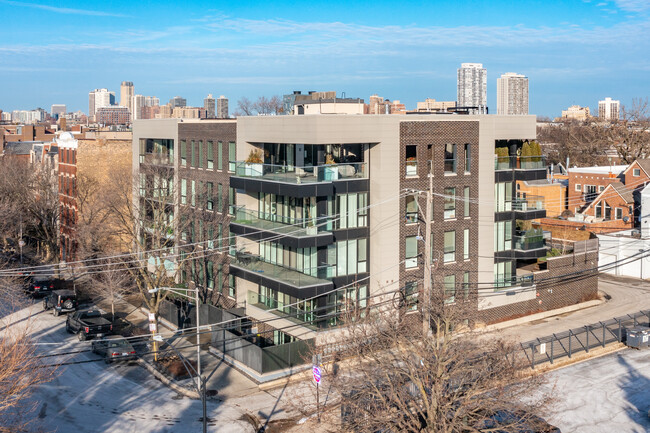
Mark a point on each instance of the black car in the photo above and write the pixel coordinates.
(60, 301)
(38, 288)
(88, 324)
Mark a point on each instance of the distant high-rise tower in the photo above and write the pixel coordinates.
(126, 96)
(209, 105)
(99, 98)
(512, 94)
(177, 101)
(222, 107)
(57, 110)
(609, 109)
(472, 86)
(137, 104)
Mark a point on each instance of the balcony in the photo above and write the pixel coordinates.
(300, 233)
(292, 313)
(157, 159)
(528, 208)
(523, 167)
(529, 245)
(300, 175)
(252, 268)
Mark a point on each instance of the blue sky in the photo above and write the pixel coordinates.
(573, 51)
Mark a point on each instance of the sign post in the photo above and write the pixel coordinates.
(316, 372)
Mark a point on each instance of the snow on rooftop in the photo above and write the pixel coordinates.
(616, 169)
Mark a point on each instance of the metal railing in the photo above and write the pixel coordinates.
(292, 311)
(305, 174)
(295, 277)
(280, 224)
(157, 158)
(529, 203)
(532, 240)
(574, 341)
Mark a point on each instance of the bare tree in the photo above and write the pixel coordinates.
(392, 377)
(261, 106)
(630, 135)
(20, 369)
(112, 283)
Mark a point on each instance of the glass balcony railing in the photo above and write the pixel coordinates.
(278, 224)
(293, 312)
(530, 240)
(519, 162)
(307, 174)
(529, 203)
(157, 158)
(298, 278)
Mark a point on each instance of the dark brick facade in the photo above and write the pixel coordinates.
(211, 132)
(567, 280)
(430, 139)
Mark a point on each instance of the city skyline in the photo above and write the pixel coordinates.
(577, 53)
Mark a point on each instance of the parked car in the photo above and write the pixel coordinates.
(87, 324)
(39, 287)
(114, 348)
(60, 301)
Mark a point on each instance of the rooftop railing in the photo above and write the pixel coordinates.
(529, 203)
(519, 162)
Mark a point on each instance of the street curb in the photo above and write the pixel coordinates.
(170, 383)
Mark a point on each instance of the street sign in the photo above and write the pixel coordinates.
(158, 337)
(152, 317)
(316, 373)
(152, 327)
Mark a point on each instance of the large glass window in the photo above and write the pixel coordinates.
(466, 201)
(209, 186)
(232, 288)
(502, 236)
(210, 275)
(193, 196)
(347, 257)
(411, 252)
(232, 156)
(411, 293)
(351, 210)
(450, 289)
(200, 159)
(193, 153)
(220, 155)
(450, 247)
(450, 158)
(183, 191)
(450, 203)
(468, 158)
(411, 209)
(503, 196)
(503, 274)
(183, 153)
(411, 160)
(231, 200)
(210, 155)
(466, 244)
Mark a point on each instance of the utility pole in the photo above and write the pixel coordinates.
(427, 284)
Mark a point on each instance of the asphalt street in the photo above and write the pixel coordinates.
(95, 397)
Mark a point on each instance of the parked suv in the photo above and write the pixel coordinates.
(60, 301)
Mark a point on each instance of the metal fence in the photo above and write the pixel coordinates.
(574, 341)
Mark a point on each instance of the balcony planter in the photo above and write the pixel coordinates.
(312, 230)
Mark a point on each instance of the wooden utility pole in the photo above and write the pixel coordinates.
(427, 285)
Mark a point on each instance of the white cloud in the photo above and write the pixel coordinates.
(61, 10)
(633, 5)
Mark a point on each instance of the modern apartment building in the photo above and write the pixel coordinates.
(512, 94)
(58, 110)
(127, 92)
(209, 106)
(222, 107)
(318, 214)
(472, 86)
(99, 98)
(137, 105)
(177, 101)
(609, 109)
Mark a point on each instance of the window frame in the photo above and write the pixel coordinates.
(410, 257)
(449, 248)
